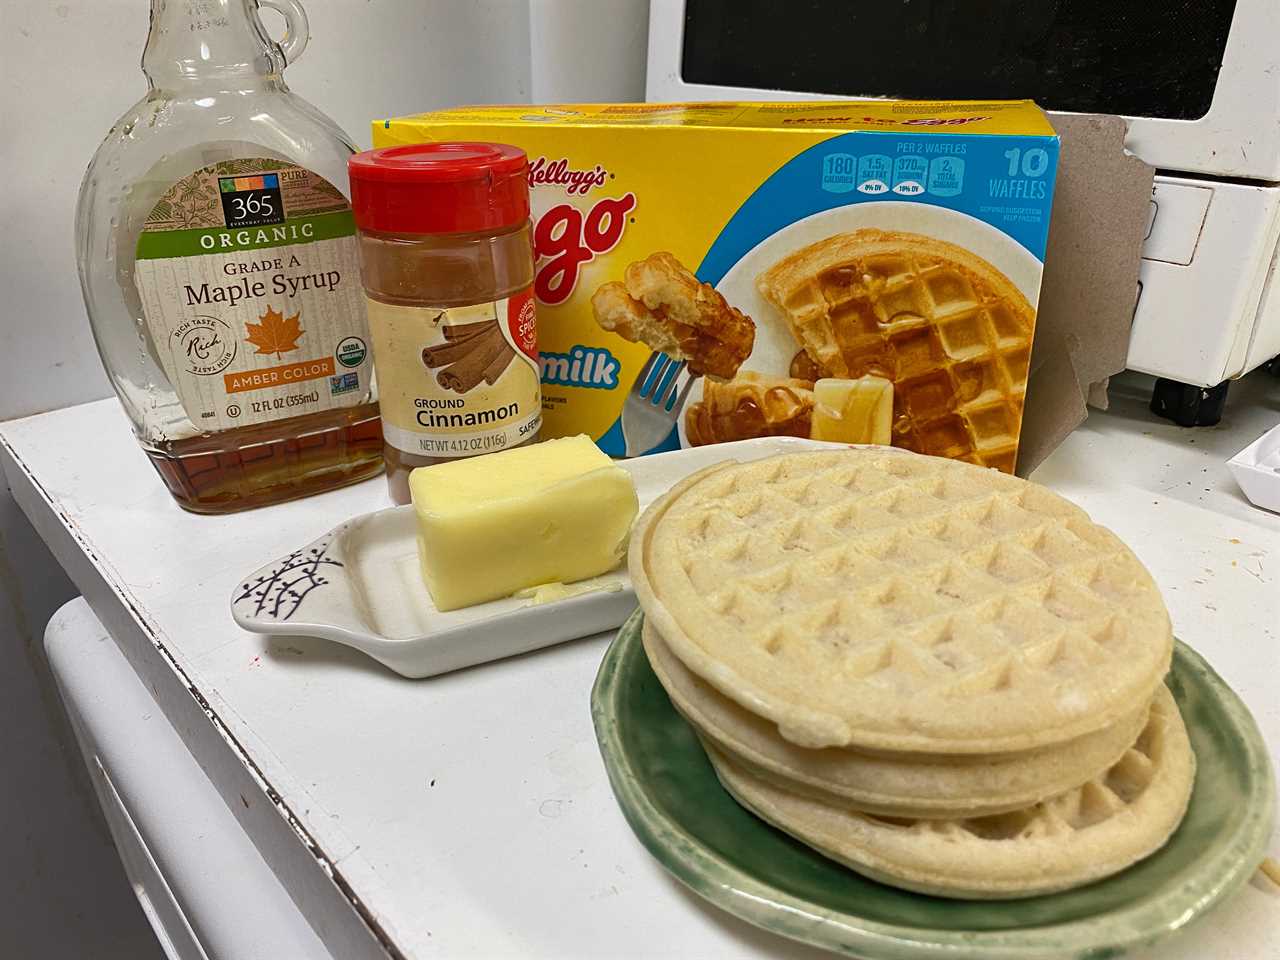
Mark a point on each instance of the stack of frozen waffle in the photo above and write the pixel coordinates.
(942, 676)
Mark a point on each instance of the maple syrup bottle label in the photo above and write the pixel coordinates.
(457, 381)
(250, 284)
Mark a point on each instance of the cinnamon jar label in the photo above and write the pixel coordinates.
(457, 381)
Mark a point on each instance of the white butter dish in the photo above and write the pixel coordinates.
(1257, 470)
(360, 584)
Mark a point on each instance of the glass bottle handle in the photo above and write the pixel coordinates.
(296, 30)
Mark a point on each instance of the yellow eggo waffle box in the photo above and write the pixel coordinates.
(848, 271)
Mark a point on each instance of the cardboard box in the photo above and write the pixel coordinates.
(866, 242)
(1102, 208)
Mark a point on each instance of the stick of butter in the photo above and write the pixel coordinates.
(852, 411)
(491, 525)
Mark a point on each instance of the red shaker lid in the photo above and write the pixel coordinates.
(446, 187)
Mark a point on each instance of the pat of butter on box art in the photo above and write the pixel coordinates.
(853, 411)
(771, 246)
(558, 511)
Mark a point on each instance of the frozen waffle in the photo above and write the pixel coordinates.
(951, 331)
(889, 601)
(663, 305)
(1074, 838)
(750, 405)
(897, 785)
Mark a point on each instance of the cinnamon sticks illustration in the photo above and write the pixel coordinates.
(447, 353)
(499, 363)
(471, 352)
(461, 331)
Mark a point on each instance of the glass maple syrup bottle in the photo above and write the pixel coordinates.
(220, 270)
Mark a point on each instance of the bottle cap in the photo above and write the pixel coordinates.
(447, 187)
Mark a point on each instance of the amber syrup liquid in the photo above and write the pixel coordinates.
(271, 462)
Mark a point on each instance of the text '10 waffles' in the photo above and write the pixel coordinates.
(864, 272)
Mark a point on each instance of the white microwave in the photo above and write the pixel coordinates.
(1198, 81)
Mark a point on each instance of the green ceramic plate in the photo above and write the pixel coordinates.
(678, 809)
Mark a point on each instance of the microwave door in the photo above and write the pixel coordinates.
(1086, 56)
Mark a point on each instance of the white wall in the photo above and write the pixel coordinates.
(68, 69)
(587, 51)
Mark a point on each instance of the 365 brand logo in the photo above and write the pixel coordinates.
(567, 238)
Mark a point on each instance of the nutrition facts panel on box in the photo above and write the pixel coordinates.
(908, 175)
(946, 176)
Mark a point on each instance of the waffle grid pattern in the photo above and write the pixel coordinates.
(884, 584)
(956, 343)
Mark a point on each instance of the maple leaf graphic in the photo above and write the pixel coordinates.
(275, 334)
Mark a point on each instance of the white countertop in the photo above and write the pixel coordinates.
(470, 815)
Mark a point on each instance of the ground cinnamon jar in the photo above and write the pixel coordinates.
(446, 256)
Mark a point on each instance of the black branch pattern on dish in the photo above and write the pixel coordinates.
(278, 594)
